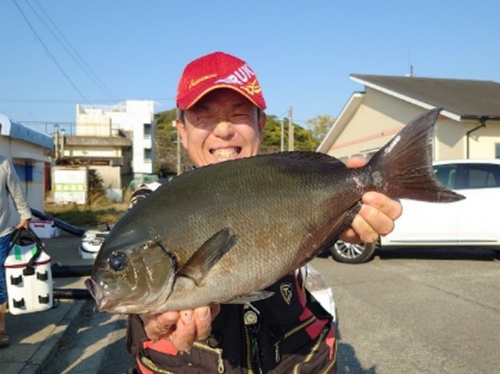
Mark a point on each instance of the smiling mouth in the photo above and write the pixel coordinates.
(226, 152)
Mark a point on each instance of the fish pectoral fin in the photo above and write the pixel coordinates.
(254, 296)
(200, 263)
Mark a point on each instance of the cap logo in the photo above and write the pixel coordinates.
(241, 76)
(252, 88)
(195, 82)
(238, 77)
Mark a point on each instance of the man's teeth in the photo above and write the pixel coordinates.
(225, 152)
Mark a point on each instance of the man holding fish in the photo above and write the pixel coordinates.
(221, 117)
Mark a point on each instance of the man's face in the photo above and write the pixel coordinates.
(223, 125)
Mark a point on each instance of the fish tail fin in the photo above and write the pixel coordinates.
(404, 165)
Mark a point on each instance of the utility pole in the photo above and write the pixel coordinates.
(56, 142)
(290, 129)
(174, 124)
(179, 171)
(282, 146)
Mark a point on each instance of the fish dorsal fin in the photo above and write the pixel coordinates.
(308, 156)
(200, 263)
(298, 161)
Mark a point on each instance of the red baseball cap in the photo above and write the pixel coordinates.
(218, 70)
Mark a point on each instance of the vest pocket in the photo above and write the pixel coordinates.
(285, 305)
(201, 359)
(316, 357)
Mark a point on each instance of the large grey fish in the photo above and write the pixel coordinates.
(224, 232)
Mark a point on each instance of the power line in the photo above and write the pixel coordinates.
(57, 101)
(88, 71)
(50, 54)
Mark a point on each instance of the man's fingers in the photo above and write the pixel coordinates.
(391, 208)
(181, 328)
(185, 333)
(350, 236)
(361, 225)
(356, 162)
(203, 319)
(161, 325)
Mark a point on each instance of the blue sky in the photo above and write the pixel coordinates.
(303, 52)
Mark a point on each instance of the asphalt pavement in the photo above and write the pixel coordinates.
(35, 337)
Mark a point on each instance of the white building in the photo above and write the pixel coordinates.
(114, 141)
(30, 152)
(132, 117)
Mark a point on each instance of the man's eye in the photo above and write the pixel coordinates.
(205, 120)
(240, 115)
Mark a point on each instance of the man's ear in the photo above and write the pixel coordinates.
(181, 127)
(261, 124)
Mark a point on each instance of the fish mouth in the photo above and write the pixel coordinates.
(98, 292)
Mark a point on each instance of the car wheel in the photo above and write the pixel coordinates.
(353, 253)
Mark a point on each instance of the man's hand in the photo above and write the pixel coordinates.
(181, 328)
(375, 218)
(24, 223)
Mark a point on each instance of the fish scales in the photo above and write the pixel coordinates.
(225, 232)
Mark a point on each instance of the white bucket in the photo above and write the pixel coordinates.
(29, 285)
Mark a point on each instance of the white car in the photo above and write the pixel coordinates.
(472, 222)
(320, 290)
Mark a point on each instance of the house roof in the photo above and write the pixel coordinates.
(19, 131)
(467, 99)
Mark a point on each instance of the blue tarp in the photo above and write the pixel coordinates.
(19, 131)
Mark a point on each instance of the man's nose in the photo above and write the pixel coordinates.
(224, 128)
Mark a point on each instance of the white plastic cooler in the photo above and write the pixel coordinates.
(91, 243)
(44, 228)
(29, 288)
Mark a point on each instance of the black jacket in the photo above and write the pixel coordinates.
(286, 333)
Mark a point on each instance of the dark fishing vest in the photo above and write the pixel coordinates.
(285, 333)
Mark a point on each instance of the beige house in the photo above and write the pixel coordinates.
(468, 127)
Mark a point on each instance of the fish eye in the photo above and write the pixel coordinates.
(117, 261)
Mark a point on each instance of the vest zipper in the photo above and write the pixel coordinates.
(220, 361)
(251, 323)
(303, 325)
(151, 366)
(314, 350)
(248, 351)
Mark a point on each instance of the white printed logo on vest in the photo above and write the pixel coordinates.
(286, 292)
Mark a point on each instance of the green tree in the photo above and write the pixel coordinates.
(302, 138)
(272, 135)
(320, 126)
(166, 145)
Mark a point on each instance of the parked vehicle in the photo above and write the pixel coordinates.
(320, 290)
(472, 222)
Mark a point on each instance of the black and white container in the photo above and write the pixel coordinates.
(28, 274)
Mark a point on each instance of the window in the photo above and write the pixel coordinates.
(446, 174)
(497, 150)
(479, 176)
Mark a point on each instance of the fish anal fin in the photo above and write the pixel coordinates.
(250, 298)
(334, 227)
(211, 251)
